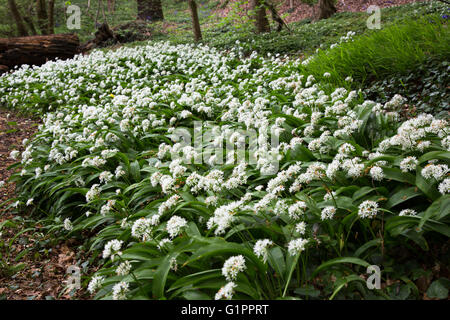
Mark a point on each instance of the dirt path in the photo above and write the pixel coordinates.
(41, 272)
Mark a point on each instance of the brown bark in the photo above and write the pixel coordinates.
(51, 16)
(103, 34)
(326, 9)
(42, 16)
(30, 24)
(3, 69)
(111, 6)
(195, 21)
(150, 10)
(17, 18)
(36, 50)
(275, 16)
(261, 22)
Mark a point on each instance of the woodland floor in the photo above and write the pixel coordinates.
(43, 269)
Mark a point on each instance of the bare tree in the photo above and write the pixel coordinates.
(195, 21)
(51, 16)
(111, 6)
(17, 18)
(42, 16)
(326, 9)
(150, 10)
(275, 16)
(261, 22)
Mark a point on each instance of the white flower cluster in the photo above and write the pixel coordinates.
(233, 266)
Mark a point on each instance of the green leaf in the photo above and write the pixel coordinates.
(426, 186)
(161, 273)
(403, 195)
(222, 247)
(362, 192)
(191, 279)
(367, 245)
(276, 260)
(397, 175)
(441, 155)
(439, 289)
(340, 260)
(309, 291)
(135, 170)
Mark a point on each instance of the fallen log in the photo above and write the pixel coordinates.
(3, 69)
(36, 50)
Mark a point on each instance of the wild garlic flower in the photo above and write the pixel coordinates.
(444, 186)
(174, 226)
(226, 292)
(112, 248)
(437, 172)
(233, 266)
(68, 224)
(168, 204)
(407, 212)
(142, 229)
(95, 283)
(376, 173)
(300, 227)
(368, 209)
(163, 243)
(328, 213)
(260, 248)
(14, 154)
(120, 290)
(124, 268)
(296, 246)
(93, 193)
(297, 209)
(408, 164)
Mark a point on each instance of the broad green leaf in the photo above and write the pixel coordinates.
(337, 261)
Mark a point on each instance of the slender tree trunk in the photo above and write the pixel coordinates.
(275, 16)
(28, 17)
(51, 16)
(17, 18)
(100, 3)
(261, 22)
(150, 10)
(30, 24)
(111, 6)
(42, 16)
(326, 9)
(195, 21)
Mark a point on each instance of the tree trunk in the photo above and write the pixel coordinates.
(275, 16)
(30, 24)
(150, 10)
(195, 21)
(17, 18)
(37, 50)
(42, 16)
(51, 16)
(326, 9)
(102, 35)
(111, 6)
(261, 22)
